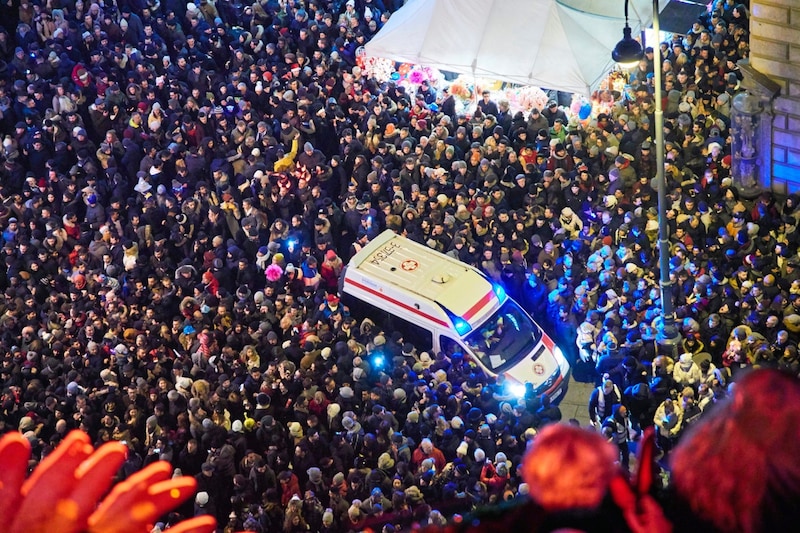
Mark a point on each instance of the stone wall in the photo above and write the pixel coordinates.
(775, 52)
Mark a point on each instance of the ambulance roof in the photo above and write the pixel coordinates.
(413, 268)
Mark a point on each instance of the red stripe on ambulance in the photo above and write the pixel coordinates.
(397, 302)
(480, 304)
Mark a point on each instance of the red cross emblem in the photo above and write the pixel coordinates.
(409, 265)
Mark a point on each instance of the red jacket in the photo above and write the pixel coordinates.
(494, 483)
(289, 489)
(436, 454)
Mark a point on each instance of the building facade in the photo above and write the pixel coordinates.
(775, 54)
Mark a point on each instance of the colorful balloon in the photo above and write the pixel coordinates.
(416, 77)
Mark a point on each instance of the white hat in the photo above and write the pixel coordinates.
(121, 349)
(183, 383)
(142, 186)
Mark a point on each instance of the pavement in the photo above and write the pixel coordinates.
(576, 403)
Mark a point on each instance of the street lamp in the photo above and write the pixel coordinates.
(628, 51)
(626, 54)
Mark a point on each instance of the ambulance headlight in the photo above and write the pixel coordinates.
(462, 326)
(517, 389)
(557, 352)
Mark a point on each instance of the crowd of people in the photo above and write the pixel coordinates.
(182, 184)
(575, 485)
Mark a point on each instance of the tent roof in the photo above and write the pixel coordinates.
(556, 44)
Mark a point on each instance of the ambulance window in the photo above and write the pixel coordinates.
(361, 309)
(421, 338)
(449, 346)
(504, 338)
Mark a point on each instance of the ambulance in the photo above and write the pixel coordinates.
(443, 305)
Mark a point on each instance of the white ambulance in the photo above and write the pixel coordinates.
(444, 305)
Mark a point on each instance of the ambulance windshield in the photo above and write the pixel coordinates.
(505, 338)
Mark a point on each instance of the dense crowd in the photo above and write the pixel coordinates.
(182, 184)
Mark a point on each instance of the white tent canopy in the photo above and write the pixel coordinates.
(556, 44)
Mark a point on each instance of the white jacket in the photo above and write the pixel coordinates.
(686, 372)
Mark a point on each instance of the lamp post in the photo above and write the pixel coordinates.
(668, 337)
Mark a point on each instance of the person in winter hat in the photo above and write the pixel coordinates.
(602, 401)
(570, 223)
(687, 373)
(425, 450)
(668, 420)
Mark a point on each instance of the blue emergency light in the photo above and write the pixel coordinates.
(500, 292)
(462, 326)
